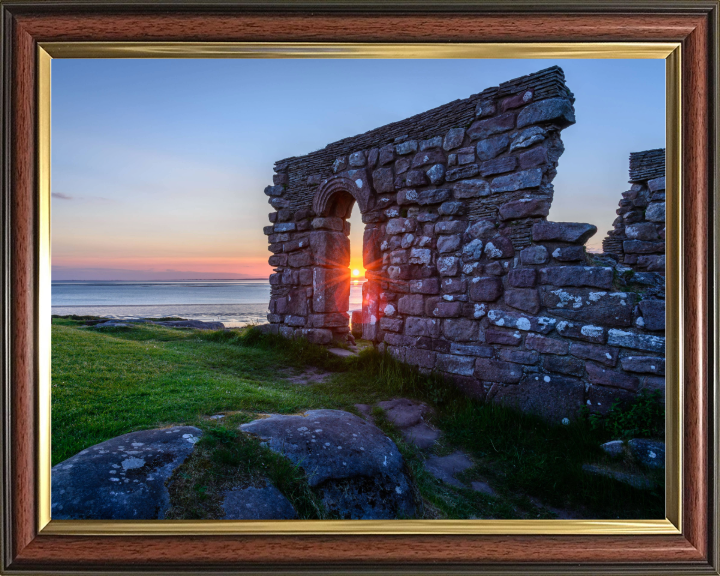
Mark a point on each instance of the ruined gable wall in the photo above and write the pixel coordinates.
(465, 276)
(638, 235)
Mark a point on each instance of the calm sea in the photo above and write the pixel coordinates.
(234, 302)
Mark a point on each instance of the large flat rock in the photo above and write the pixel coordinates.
(357, 470)
(251, 503)
(122, 478)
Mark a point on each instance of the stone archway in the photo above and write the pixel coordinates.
(333, 203)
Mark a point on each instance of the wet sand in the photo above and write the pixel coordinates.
(231, 315)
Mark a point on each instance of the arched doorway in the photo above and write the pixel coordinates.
(333, 205)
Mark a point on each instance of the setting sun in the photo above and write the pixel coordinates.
(356, 272)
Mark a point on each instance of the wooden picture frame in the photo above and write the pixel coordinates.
(690, 543)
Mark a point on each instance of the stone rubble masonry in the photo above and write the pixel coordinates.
(465, 276)
(638, 235)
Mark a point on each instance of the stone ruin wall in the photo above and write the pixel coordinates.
(465, 277)
(637, 239)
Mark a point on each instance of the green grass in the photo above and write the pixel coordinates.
(107, 382)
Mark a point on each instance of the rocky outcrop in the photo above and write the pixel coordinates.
(122, 478)
(355, 469)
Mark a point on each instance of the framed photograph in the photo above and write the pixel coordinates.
(474, 333)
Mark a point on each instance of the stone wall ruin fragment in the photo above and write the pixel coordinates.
(465, 275)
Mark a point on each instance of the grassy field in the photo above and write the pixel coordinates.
(113, 381)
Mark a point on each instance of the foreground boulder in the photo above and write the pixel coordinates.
(123, 478)
(356, 470)
(251, 503)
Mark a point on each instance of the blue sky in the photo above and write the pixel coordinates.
(159, 166)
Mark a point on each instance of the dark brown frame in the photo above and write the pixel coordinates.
(24, 24)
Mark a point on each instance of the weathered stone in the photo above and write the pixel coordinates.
(523, 322)
(411, 304)
(447, 244)
(450, 227)
(387, 154)
(406, 147)
(438, 196)
(274, 190)
(435, 142)
(454, 364)
(642, 231)
(556, 110)
(400, 226)
(650, 453)
(491, 147)
(485, 289)
(592, 307)
(569, 253)
(122, 478)
(473, 250)
(428, 157)
(436, 174)
(465, 155)
(441, 309)
(472, 350)
(656, 184)
(522, 278)
(481, 229)
(594, 276)
(519, 356)
(485, 108)
(383, 179)
(453, 286)
(586, 332)
(602, 354)
(357, 470)
(527, 138)
(505, 337)
(606, 377)
(656, 212)
(534, 255)
(461, 329)
(251, 503)
(454, 138)
(498, 165)
(445, 468)
(484, 128)
(499, 247)
(525, 208)
(471, 189)
(452, 209)
(331, 290)
(653, 314)
(546, 345)
(420, 357)
(448, 266)
(570, 232)
(525, 299)
(425, 286)
(521, 180)
(641, 247)
(391, 324)
(551, 397)
(533, 157)
(636, 341)
(418, 326)
(644, 364)
(357, 159)
(497, 371)
(462, 172)
(330, 249)
(563, 365)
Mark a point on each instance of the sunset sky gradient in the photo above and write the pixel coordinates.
(159, 166)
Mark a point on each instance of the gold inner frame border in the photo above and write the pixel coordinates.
(669, 51)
